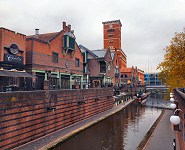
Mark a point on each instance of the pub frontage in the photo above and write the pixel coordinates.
(12, 62)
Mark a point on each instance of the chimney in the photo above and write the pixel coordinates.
(36, 32)
(64, 25)
(69, 27)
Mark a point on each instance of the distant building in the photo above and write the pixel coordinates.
(133, 76)
(152, 79)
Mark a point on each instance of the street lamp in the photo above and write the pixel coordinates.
(175, 120)
(172, 99)
(173, 106)
(174, 103)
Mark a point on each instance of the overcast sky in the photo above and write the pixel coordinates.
(147, 25)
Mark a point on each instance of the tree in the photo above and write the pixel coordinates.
(173, 66)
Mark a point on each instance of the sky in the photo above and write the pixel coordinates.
(147, 25)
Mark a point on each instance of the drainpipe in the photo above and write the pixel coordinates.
(59, 79)
(81, 82)
(45, 77)
(70, 83)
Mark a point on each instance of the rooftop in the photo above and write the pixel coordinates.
(100, 53)
(44, 37)
(113, 21)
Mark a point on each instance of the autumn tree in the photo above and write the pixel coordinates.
(173, 66)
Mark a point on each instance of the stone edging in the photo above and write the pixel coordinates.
(149, 133)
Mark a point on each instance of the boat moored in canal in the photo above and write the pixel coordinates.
(141, 97)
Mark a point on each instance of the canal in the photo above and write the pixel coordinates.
(121, 131)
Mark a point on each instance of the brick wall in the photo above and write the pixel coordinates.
(9, 37)
(26, 116)
(116, 38)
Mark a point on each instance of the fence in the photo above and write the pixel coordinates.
(180, 135)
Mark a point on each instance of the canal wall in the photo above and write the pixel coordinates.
(27, 116)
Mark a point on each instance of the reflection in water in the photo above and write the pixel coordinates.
(158, 100)
(122, 131)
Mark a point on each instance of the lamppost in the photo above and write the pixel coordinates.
(174, 103)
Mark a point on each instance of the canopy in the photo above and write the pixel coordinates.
(15, 74)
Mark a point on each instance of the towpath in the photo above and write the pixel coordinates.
(163, 135)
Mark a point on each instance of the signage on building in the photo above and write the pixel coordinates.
(13, 58)
(14, 49)
(11, 65)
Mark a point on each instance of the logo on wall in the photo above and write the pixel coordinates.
(14, 49)
(13, 58)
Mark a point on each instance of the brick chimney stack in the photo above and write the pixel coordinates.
(64, 25)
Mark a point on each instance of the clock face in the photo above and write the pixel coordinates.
(67, 64)
(14, 49)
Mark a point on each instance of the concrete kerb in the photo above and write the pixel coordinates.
(148, 135)
(73, 133)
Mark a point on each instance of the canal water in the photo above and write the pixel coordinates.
(121, 131)
(158, 100)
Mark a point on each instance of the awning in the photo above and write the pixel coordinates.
(15, 74)
(2, 73)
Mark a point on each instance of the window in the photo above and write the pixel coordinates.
(55, 57)
(110, 30)
(84, 57)
(77, 62)
(69, 41)
(111, 41)
(110, 35)
(102, 67)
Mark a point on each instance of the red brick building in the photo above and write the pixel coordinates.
(112, 40)
(132, 78)
(116, 64)
(55, 57)
(98, 67)
(12, 61)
